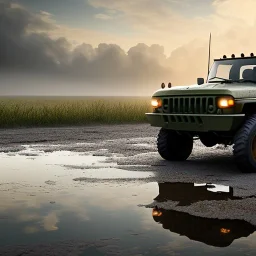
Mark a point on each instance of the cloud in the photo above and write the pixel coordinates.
(156, 21)
(172, 27)
(143, 14)
(233, 9)
(50, 222)
(22, 49)
(103, 16)
(45, 60)
(27, 48)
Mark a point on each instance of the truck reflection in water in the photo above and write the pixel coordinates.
(189, 193)
(215, 232)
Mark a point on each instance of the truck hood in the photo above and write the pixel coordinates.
(237, 90)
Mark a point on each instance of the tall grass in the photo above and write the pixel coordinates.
(58, 111)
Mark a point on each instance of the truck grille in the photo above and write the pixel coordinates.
(189, 105)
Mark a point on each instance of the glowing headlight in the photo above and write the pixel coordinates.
(156, 213)
(225, 231)
(156, 103)
(226, 102)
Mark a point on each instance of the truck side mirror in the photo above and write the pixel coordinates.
(200, 81)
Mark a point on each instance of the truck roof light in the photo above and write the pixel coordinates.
(163, 85)
(170, 85)
(233, 55)
(224, 56)
(242, 55)
(252, 54)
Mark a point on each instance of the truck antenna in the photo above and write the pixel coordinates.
(209, 57)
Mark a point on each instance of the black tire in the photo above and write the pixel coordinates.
(242, 148)
(173, 146)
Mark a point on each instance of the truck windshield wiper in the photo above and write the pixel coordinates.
(246, 80)
(223, 79)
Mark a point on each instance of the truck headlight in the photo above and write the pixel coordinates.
(226, 102)
(156, 103)
(225, 231)
(156, 213)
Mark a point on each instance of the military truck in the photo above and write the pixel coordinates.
(221, 110)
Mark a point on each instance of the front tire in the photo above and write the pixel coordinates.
(244, 148)
(173, 146)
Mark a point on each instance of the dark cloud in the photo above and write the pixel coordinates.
(26, 48)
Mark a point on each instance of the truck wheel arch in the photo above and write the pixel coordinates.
(249, 108)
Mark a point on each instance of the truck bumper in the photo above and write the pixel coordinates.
(196, 122)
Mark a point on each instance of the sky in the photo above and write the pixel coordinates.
(116, 47)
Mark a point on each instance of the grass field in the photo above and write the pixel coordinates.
(59, 111)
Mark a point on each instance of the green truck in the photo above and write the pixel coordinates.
(221, 110)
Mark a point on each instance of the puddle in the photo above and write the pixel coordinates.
(210, 231)
(43, 203)
(189, 193)
(112, 173)
(214, 232)
(48, 166)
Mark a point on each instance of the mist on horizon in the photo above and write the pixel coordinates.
(41, 54)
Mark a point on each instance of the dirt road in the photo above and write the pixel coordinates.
(114, 167)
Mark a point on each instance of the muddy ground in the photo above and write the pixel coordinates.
(120, 158)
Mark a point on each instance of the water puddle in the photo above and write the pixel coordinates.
(35, 166)
(43, 203)
(214, 232)
(189, 193)
(210, 231)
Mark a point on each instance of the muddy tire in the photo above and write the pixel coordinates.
(244, 148)
(174, 147)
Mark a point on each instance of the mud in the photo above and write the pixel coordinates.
(93, 191)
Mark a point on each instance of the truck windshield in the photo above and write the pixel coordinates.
(235, 70)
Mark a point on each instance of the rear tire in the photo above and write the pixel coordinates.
(173, 146)
(244, 148)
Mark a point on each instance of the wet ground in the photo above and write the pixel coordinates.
(103, 190)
